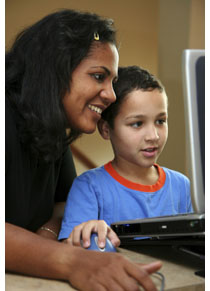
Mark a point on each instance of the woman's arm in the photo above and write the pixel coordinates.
(25, 252)
(29, 253)
(51, 228)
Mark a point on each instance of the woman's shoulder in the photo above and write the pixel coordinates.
(12, 145)
(10, 123)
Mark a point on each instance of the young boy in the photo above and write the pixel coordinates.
(132, 185)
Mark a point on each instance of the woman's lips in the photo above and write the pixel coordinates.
(95, 108)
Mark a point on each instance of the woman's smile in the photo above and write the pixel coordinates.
(95, 109)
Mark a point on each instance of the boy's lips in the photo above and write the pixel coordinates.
(150, 149)
(150, 152)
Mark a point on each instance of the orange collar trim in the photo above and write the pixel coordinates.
(135, 186)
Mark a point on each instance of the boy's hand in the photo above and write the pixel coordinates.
(83, 231)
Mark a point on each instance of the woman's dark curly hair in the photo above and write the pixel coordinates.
(129, 79)
(39, 67)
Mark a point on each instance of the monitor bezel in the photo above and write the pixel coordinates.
(193, 144)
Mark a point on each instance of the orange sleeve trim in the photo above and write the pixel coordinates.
(135, 186)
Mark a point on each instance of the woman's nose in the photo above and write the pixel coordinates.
(108, 94)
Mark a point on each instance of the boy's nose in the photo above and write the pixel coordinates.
(152, 134)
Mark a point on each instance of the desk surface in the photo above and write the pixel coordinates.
(178, 270)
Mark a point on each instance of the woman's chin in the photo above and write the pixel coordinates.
(88, 130)
(84, 128)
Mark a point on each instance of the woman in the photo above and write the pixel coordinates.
(59, 76)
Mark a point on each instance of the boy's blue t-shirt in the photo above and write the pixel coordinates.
(102, 194)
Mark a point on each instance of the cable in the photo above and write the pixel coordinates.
(162, 278)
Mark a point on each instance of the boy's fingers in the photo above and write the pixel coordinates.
(113, 238)
(85, 229)
(76, 235)
(86, 232)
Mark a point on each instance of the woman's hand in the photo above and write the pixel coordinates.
(83, 231)
(94, 271)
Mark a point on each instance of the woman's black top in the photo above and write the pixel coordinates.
(32, 187)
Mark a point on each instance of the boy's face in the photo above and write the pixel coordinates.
(140, 128)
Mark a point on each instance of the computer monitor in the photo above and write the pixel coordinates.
(193, 76)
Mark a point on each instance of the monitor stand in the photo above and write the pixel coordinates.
(196, 251)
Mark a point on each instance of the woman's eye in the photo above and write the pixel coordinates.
(136, 124)
(99, 77)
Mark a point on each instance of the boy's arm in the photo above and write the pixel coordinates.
(81, 215)
(81, 205)
(188, 193)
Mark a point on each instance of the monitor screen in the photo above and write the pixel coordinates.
(193, 69)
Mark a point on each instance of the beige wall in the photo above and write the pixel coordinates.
(135, 20)
(197, 24)
(181, 26)
(152, 34)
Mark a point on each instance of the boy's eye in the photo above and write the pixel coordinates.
(136, 124)
(161, 121)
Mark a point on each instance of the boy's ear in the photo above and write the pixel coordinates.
(103, 128)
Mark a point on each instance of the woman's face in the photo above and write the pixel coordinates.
(91, 89)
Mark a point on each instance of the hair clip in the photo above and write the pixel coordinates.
(96, 36)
